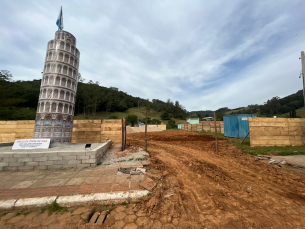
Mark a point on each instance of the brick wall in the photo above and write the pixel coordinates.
(206, 127)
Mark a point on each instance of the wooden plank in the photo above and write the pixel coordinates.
(92, 125)
(26, 122)
(8, 122)
(113, 121)
(86, 129)
(111, 129)
(86, 121)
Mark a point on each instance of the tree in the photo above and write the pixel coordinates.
(5, 75)
(80, 78)
(131, 119)
(112, 116)
(171, 124)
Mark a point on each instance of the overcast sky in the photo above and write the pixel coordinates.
(205, 54)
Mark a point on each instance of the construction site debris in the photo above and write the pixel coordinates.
(148, 184)
(214, 191)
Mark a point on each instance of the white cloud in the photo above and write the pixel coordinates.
(206, 54)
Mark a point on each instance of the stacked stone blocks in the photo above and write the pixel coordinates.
(52, 160)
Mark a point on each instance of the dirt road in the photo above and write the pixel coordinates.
(229, 189)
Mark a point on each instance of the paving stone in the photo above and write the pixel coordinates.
(119, 224)
(120, 209)
(130, 218)
(107, 179)
(23, 184)
(75, 181)
(119, 216)
(122, 178)
(40, 184)
(131, 226)
(165, 219)
(140, 213)
(141, 221)
(57, 182)
(156, 225)
(168, 226)
(148, 184)
(129, 211)
(120, 187)
(91, 180)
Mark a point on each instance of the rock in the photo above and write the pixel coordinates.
(249, 189)
(148, 184)
(151, 202)
(165, 173)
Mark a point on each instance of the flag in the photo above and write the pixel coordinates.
(60, 20)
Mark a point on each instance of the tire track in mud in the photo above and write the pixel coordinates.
(226, 190)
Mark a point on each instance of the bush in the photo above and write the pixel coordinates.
(131, 119)
(171, 124)
(112, 116)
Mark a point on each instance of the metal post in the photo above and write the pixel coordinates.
(146, 132)
(303, 72)
(215, 132)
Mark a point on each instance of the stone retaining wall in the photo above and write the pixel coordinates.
(52, 160)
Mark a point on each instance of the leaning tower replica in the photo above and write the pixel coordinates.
(55, 112)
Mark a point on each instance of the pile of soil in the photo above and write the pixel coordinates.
(228, 189)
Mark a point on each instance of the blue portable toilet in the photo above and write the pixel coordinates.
(236, 126)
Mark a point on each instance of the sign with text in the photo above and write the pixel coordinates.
(31, 144)
(244, 118)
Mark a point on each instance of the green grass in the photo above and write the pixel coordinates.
(134, 110)
(300, 113)
(55, 207)
(230, 112)
(245, 146)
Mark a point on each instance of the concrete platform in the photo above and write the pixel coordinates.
(56, 157)
(101, 184)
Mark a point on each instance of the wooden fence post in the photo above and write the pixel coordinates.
(146, 132)
(215, 132)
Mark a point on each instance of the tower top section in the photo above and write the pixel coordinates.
(65, 36)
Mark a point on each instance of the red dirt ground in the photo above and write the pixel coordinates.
(196, 188)
(228, 189)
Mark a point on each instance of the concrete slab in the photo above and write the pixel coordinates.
(35, 202)
(6, 204)
(294, 160)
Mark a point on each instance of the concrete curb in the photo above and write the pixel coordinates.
(68, 201)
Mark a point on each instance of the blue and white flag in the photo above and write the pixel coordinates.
(60, 20)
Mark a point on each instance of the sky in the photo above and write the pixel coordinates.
(204, 54)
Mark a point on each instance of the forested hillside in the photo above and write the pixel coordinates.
(19, 100)
(274, 106)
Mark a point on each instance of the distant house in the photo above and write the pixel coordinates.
(193, 120)
(208, 118)
(188, 121)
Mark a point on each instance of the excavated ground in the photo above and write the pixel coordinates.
(195, 188)
(228, 189)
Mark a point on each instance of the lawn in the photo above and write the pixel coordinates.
(134, 110)
(245, 146)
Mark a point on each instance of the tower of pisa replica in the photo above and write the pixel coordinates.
(55, 111)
